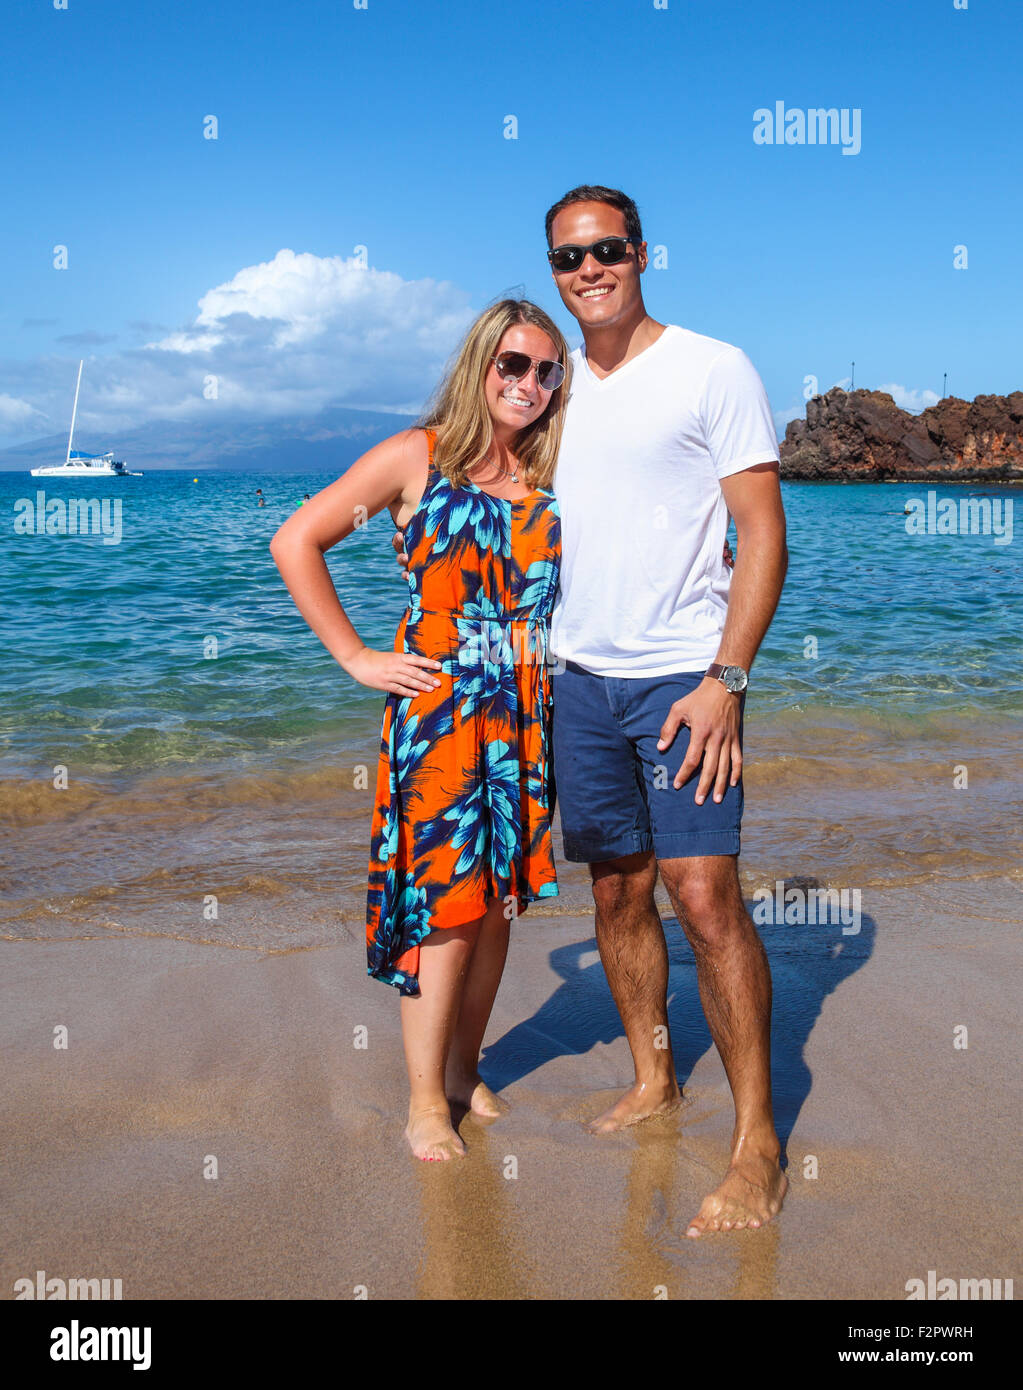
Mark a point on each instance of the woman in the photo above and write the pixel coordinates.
(461, 825)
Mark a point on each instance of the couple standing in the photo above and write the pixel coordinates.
(667, 433)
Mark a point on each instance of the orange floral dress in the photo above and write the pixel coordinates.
(464, 798)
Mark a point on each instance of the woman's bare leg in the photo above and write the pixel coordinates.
(428, 1025)
(483, 977)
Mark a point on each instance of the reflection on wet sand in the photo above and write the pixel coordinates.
(651, 1196)
(472, 1237)
(654, 1258)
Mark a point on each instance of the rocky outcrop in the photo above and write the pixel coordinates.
(863, 436)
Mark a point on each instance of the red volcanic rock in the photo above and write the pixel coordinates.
(863, 436)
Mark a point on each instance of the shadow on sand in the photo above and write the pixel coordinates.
(807, 964)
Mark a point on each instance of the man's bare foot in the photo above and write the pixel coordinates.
(431, 1136)
(639, 1102)
(750, 1195)
(474, 1093)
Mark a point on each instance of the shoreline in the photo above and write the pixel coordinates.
(983, 479)
(275, 858)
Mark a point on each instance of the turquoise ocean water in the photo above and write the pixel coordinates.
(105, 643)
(108, 672)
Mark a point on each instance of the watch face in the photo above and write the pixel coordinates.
(735, 678)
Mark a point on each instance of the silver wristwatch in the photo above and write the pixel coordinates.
(733, 678)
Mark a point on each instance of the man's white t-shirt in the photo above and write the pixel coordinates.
(644, 586)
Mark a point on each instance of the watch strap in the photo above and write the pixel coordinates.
(717, 672)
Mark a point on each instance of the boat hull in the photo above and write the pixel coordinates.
(59, 471)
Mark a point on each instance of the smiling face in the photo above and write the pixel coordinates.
(515, 404)
(598, 295)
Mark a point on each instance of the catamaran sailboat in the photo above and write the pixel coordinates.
(78, 464)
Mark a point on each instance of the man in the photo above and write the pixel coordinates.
(667, 432)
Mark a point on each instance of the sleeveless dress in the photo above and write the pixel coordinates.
(464, 799)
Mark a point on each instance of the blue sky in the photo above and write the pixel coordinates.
(384, 128)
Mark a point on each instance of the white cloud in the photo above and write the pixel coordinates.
(907, 398)
(304, 331)
(783, 417)
(17, 414)
(288, 336)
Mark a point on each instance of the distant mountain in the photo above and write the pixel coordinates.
(329, 440)
(863, 436)
(860, 436)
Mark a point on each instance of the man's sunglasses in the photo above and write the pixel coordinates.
(610, 250)
(549, 375)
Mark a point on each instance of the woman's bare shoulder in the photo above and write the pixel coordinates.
(407, 455)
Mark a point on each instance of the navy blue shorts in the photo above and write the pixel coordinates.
(614, 787)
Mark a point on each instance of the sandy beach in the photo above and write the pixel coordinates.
(180, 1051)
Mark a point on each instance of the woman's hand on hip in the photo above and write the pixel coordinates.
(400, 673)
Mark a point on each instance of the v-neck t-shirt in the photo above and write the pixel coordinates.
(644, 587)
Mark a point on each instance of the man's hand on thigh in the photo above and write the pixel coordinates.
(711, 713)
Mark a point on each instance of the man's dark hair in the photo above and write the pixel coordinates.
(597, 193)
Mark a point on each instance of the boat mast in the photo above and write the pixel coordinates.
(74, 412)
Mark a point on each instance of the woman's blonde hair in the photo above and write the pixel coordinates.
(458, 411)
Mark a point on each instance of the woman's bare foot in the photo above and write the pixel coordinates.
(470, 1090)
(639, 1102)
(431, 1136)
(750, 1195)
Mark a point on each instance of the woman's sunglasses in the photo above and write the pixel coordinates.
(610, 250)
(549, 375)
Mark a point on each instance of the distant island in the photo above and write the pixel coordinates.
(864, 437)
(326, 442)
(847, 436)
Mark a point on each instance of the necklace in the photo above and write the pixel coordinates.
(514, 476)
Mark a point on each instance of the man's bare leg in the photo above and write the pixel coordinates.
(735, 989)
(483, 976)
(634, 955)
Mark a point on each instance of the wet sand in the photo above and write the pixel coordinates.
(851, 800)
(179, 1051)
